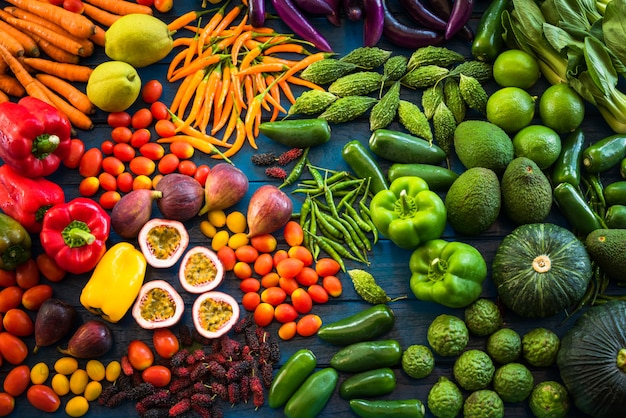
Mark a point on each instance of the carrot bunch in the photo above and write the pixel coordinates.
(230, 73)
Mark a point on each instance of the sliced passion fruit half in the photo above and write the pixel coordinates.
(158, 305)
(214, 314)
(201, 270)
(163, 241)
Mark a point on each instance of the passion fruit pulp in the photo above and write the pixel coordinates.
(200, 270)
(158, 305)
(214, 314)
(163, 241)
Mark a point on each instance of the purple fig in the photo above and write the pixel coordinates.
(133, 211)
(269, 210)
(92, 339)
(182, 196)
(225, 185)
(55, 319)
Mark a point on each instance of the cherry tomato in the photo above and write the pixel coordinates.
(168, 164)
(7, 278)
(43, 398)
(74, 6)
(201, 174)
(12, 348)
(274, 296)
(125, 182)
(142, 182)
(91, 163)
(182, 149)
(160, 376)
(121, 134)
(287, 331)
(251, 284)
(7, 404)
(307, 276)
(77, 149)
(140, 355)
(289, 267)
(263, 314)
(18, 322)
(285, 312)
(17, 380)
(10, 297)
(318, 293)
(327, 267)
(308, 325)
(89, 186)
(265, 243)
(187, 167)
(36, 295)
(250, 301)
(332, 285)
(115, 119)
(142, 165)
(293, 233)
(107, 181)
(152, 90)
(165, 342)
(113, 165)
(165, 128)
(301, 300)
(140, 137)
(109, 199)
(163, 6)
(159, 110)
(152, 150)
(49, 268)
(27, 274)
(142, 118)
(301, 253)
(124, 152)
(107, 147)
(148, 3)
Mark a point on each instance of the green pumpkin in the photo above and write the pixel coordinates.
(541, 269)
(592, 360)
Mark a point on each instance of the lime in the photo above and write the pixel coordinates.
(483, 317)
(511, 108)
(418, 361)
(447, 335)
(513, 382)
(473, 370)
(549, 399)
(516, 68)
(445, 398)
(484, 403)
(538, 143)
(540, 347)
(504, 346)
(561, 108)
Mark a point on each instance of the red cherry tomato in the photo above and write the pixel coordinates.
(74, 6)
(91, 163)
(7, 404)
(12, 348)
(165, 342)
(17, 380)
(160, 376)
(77, 149)
(152, 91)
(36, 295)
(140, 355)
(142, 118)
(18, 322)
(159, 110)
(27, 274)
(43, 398)
(116, 119)
(49, 268)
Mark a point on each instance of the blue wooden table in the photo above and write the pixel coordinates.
(389, 264)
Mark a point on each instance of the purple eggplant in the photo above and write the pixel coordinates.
(374, 21)
(353, 9)
(441, 8)
(314, 7)
(298, 23)
(459, 16)
(406, 36)
(256, 13)
(423, 15)
(333, 17)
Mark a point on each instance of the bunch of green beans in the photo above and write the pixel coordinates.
(335, 215)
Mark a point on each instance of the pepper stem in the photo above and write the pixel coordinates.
(14, 256)
(45, 145)
(437, 269)
(77, 234)
(405, 205)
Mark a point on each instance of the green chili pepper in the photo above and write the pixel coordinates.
(622, 168)
(605, 153)
(290, 376)
(400, 147)
(297, 133)
(305, 211)
(340, 249)
(575, 209)
(367, 355)
(358, 231)
(354, 214)
(365, 214)
(567, 166)
(362, 162)
(370, 383)
(296, 171)
(15, 243)
(488, 41)
(437, 177)
(317, 176)
(615, 193)
(362, 326)
(616, 217)
(323, 222)
(382, 408)
(313, 395)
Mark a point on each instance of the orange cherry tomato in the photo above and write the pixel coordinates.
(113, 165)
(302, 253)
(121, 134)
(27, 274)
(163, 6)
(107, 181)
(125, 182)
(124, 152)
(140, 137)
(318, 293)
(285, 312)
(18, 322)
(187, 167)
(265, 243)
(307, 276)
(7, 404)
(43, 398)
(140, 355)
(109, 199)
(77, 149)
(36, 295)
(13, 349)
(165, 128)
(327, 267)
(201, 174)
(333, 286)
(91, 163)
(89, 186)
(289, 267)
(152, 150)
(168, 164)
(142, 118)
(165, 342)
(250, 301)
(301, 300)
(142, 165)
(17, 380)
(263, 314)
(287, 331)
(274, 296)
(151, 90)
(182, 149)
(160, 376)
(308, 325)
(159, 110)
(10, 297)
(49, 268)
(293, 233)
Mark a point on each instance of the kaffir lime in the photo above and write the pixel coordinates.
(484, 403)
(483, 317)
(549, 399)
(418, 361)
(447, 335)
(513, 382)
(445, 398)
(540, 347)
(473, 370)
(504, 346)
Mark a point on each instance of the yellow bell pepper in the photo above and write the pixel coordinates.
(115, 282)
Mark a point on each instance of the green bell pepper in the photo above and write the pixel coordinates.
(408, 213)
(15, 243)
(449, 273)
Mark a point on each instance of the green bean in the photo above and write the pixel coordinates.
(328, 249)
(297, 169)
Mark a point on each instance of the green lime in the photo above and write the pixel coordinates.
(448, 335)
(538, 143)
(516, 68)
(504, 346)
(484, 403)
(483, 317)
(445, 398)
(540, 347)
(513, 382)
(549, 399)
(418, 361)
(511, 108)
(473, 370)
(561, 108)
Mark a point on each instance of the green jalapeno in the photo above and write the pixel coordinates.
(566, 168)
(362, 162)
(290, 376)
(376, 382)
(575, 209)
(615, 193)
(437, 177)
(367, 355)
(313, 395)
(605, 153)
(616, 217)
(406, 408)
(297, 133)
(622, 168)
(488, 41)
(362, 326)
(400, 147)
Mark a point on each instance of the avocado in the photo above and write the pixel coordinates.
(479, 143)
(473, 201)
(607, 248)
(526, 192)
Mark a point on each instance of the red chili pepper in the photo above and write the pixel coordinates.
(75, 234)
(35, 136)
(27, 199)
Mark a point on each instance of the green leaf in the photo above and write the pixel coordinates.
(599, 65)
(614, 28)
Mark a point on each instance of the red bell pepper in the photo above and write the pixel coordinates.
(75, 234)
(27, 199)
(34, 136)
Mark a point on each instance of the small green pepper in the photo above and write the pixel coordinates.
(367, 355)
(400, 147)
(605, 153)
(15, 243)
(297, 133)
(449, 273)
(567, 166)
(290, 376)
(364, 165)
(615, 193)
(488, 41)
(375, 382)
(437, 177)
(405, 408)
(362, 326)
(616, 217)
(575, 209)
(408, 213)
(313, 395)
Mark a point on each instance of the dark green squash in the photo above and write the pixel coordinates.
(541, 269)
(592, 360)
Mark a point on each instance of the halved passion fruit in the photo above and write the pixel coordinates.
(214, 314)
(201, 270)
(158, 305)
(163, 241)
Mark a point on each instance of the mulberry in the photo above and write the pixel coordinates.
(198, 372)
(216, 411)
(276, 173)
(244, 388)
(237, 369)
(107, 393)
(267, 372)
(263, 159)
(180, 407)
(234, 394)
(127, 368)
(140, 391)
(216, 369)
(289, 156)
(159, 399)
(220, 390)
(116, 400)
(243, 323)
(180, 384)
(201, 399)
(230, 348)
(157, 413)
(202, 411)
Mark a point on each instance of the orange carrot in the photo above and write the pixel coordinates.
(11, 44)
(99, 15)
(76, 24)
(31, 85)
(54, 52)
(69, 72)
(55, 38)
(3, 97)
(30, 46)
(11, 86)
(98, 37)
(75, 116)
(121, 7)
(77, 98)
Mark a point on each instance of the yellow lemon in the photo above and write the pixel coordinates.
(113, 86)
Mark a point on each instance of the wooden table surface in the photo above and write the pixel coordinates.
(389, 264)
